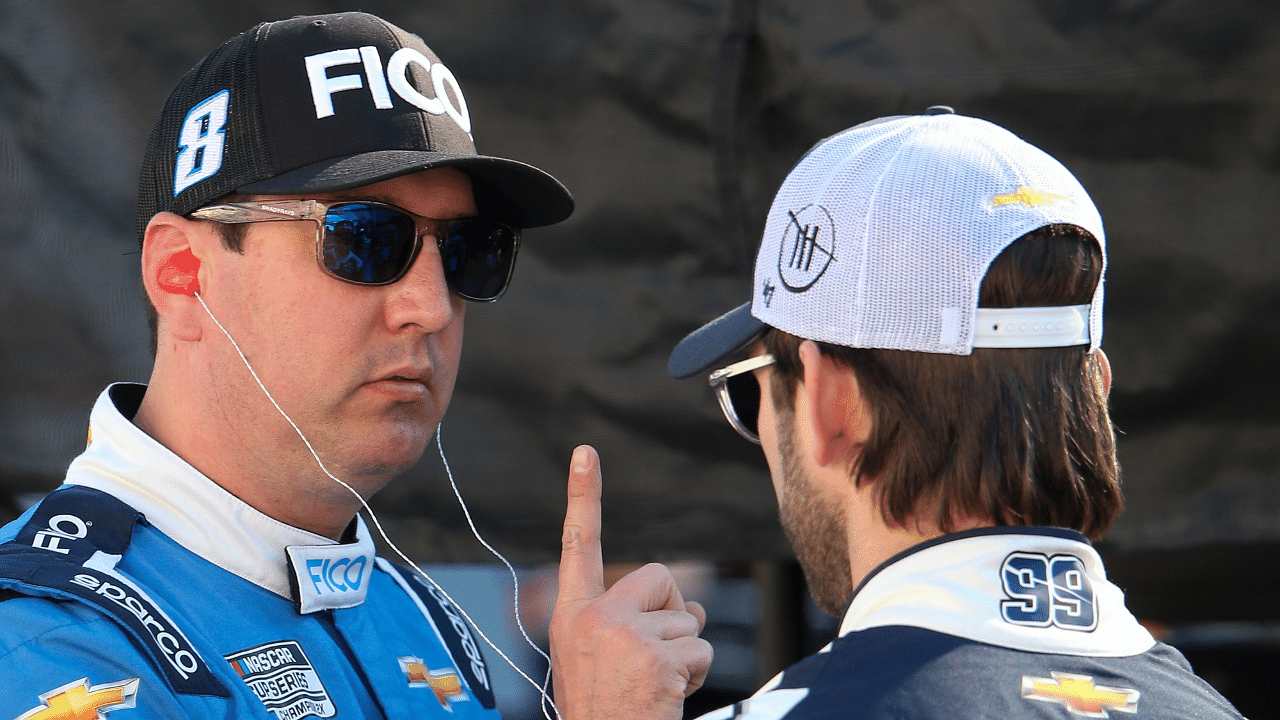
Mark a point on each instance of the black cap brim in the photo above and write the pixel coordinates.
(714, 342)
(506, 190)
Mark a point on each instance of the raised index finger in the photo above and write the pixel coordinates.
(581, 564)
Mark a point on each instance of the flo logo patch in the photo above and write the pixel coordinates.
(62, 529)
(284, 680)
(445, 683)
(78, 701)
(1080, 695)
(807, 249)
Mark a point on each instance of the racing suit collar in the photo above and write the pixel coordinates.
(199, 514)
(968, 585)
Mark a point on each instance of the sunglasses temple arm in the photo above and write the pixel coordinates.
(247, 212)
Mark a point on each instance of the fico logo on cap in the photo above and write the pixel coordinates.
(202, 142)
(442, 80)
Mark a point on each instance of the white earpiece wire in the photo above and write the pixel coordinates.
(542, 689)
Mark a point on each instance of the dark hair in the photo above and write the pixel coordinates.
(1020, 436)
(232, 239)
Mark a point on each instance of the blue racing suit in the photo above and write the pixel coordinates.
(142, 589)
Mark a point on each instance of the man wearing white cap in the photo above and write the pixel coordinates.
(924, 376)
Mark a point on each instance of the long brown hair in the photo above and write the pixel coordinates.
(1020, 436)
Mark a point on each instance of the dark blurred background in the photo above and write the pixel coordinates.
(673, 121)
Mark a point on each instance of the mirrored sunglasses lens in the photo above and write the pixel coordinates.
(744, 394)
(368, 244)
(477, 255)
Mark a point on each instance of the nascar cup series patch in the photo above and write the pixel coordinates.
(284, 680)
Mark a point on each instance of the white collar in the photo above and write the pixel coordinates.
(989, 586)
(204, 518)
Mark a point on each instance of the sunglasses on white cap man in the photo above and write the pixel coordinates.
(880, 237)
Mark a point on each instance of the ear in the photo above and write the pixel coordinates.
(171, 269)
(837, 410)
(1105, 366)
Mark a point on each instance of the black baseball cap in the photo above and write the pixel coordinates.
(322, 103)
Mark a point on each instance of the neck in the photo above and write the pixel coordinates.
(873, 540)
(266, 466)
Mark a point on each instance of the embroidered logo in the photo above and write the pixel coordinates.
(447, 92)
(63, 528)
(462, 639)
(140, 612)
(767, 292)
(284, 680)
(807, 249)
(77, 701)
(331, 576)
(1048, 591)
(1080, 695)
(445, 683)
(1029, 196)
(201, 142)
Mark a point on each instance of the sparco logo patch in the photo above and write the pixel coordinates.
(166, 638)
(807, 249)
(447, 93)
(284, 680)
(479, 674)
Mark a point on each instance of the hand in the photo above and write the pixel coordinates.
(632, 651)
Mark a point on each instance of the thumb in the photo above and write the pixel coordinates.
(581, 564)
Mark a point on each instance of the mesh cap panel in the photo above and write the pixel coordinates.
(881, 235)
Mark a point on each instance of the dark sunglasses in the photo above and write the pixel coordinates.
(739, 394)
(372, 243)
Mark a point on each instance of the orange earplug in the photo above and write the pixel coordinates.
(180, 274)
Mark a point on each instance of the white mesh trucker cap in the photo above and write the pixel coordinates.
(880, 237)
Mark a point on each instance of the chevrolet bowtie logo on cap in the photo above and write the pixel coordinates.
(1080, 695)
(1029, 196)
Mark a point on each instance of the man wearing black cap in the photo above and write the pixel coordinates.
(922, 370)
(314, 218)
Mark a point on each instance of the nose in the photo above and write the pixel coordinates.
(422, 298)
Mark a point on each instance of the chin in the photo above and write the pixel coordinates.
(399, 450)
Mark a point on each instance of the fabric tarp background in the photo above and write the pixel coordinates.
(673, 123)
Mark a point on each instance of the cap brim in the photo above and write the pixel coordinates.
(714, 342)
(507, 190)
